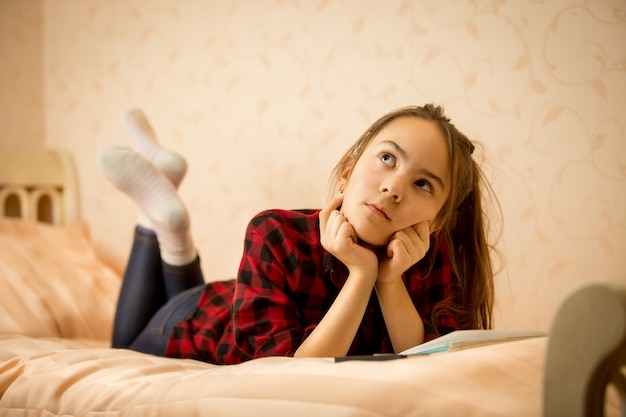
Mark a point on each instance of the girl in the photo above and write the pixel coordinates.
(397, 258)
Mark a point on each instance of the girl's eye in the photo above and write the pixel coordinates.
(424, 184)
(388, 159)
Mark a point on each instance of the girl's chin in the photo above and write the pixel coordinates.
(372, 242)
(368, 237)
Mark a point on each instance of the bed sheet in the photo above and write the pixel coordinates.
(65, 377)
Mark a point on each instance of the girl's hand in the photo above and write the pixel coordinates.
(405, 248)
(339, 238)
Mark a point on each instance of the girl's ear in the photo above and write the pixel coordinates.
(345, 170)
(343, 181)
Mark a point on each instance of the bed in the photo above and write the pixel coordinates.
(56, 308)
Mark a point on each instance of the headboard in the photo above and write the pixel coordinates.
(38, 185)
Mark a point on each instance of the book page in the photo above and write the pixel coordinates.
(462, 339)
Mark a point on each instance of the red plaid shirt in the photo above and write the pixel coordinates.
(286, 283)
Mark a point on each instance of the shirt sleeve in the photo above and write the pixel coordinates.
(266, 320)
(437, 292)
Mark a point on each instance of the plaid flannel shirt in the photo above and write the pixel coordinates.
(286, 283)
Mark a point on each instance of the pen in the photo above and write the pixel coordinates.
(369, 358)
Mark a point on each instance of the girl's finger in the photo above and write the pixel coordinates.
(423, 231)
(326, 212)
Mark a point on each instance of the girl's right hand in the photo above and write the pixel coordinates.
(339, 238)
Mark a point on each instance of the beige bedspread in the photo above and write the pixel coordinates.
(56, 308)
(63, 378)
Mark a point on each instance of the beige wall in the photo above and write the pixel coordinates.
(262, 97)
(21, 74)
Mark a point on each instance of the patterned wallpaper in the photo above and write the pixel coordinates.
(262, 97)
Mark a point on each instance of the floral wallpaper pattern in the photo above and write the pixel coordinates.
(263, 96)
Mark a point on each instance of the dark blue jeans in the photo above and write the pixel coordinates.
(154, 297)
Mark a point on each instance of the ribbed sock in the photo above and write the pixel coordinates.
(156, 196)
(143, 140)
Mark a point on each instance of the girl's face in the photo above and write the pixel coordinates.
(401, 179)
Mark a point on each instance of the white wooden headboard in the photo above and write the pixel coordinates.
(38, 185)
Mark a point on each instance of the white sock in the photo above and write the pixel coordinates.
(156, 196)
(143, 140)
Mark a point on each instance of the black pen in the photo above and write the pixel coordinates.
(383, 357)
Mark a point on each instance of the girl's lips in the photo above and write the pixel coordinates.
(378, 210)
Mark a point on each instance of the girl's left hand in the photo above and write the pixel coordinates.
(405, 249)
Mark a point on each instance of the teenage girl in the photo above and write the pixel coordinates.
(397, 258)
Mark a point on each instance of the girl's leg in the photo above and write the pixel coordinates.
(173, 167)
(148, 307)
(188, 284)
(145, 286)
(143, 289)
(151, 286)
(156, 335)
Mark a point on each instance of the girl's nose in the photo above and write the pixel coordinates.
(393, 188)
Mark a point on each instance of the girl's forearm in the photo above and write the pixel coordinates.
(334, 334)
(404, 324)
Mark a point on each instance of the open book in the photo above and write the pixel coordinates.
(463, 339)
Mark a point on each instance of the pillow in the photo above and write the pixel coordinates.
(52, 284)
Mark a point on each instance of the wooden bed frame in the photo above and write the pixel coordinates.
(39, 185)
(587, 347)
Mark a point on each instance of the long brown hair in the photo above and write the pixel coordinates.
(461, 220)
